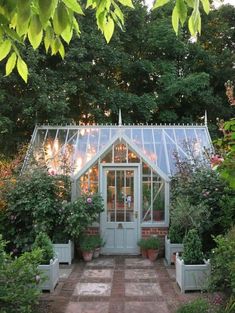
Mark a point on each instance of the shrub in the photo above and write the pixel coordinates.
(78, 215)
(149, 243)
(223, 263)
(196, 306)
(97, 241)
(44, 243)
(192, 248)
(18, 290)
(34, 203)
(184, 216)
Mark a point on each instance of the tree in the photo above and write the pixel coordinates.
(55, 21)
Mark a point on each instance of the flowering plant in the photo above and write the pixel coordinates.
(81, 213)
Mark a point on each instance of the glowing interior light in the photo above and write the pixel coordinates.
(56, 146)
(78, 165)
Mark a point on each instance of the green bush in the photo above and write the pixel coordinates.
(185, 216)
(223, 263)
(18, 286)
(196, 306)
(34, 204)
(44, 243)
(97, 241)
(78, 215)
(192, 248)
(149, 243)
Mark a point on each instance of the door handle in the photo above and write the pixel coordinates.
(120, 226)
(136, 214)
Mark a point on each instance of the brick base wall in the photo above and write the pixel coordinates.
(92, 231)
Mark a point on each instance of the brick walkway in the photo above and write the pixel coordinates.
(117, 285)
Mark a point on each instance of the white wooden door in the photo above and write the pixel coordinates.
(120, 219)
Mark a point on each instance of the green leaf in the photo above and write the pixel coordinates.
(119, 13)
(61, 51)
(182, 11)
(23, 16)
(67, 34)
(159, 3)
(46, 10)
(35, 32)
(206, 6)
(191, 26)
(55, 46)
(89, 3)
(109, 29)
(175, 20)
(12, 34)
(11, 62)
(49, 37)
(22, 69)
(76, 26)
(60, 19)
(5, 48)
(190, 3)
(127, 3)
(74, 5)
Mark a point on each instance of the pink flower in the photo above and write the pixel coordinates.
(89, 200)
(216, 160)
(51, 172)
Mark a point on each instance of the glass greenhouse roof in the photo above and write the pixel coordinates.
(74, 147)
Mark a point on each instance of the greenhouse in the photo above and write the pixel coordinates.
(130, 165)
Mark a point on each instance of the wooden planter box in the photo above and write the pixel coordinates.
(192, 277)
(171, 249)
(50, 274)
(64, 251)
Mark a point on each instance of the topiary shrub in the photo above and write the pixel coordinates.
(192, 248)
(44, 243)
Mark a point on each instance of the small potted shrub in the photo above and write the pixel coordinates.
(192, 271)
(152, 245)
(98, 243)
(49, 264)
(142, 243)
(173, 243)
(87, 247)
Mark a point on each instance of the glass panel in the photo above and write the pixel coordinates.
(148, 135)
(104, 137)
(132, 157)
(172, 153)
(108, 157)
(120, 196)
(137, 136)
(61, 136)
(128, 132)
(72, 136)
(146, 205)
(111, 196)
(161, 157)
(149, 152)
(120, 153)
(180, 138)
(158, 201)
(157, 136)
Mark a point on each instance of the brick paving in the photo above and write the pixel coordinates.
(117, 285)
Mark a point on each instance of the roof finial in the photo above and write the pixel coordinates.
(205, 120)
(120, 117)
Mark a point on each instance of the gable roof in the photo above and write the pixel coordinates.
(80, 145)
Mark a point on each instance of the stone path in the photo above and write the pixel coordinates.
(116, 285)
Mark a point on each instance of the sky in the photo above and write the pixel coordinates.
(217, 2)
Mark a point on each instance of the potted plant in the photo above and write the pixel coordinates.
(173, 243)
(50, 265)
(143, 247)
(192, 270)
(152, 245)
(98, 243)
(87, 247)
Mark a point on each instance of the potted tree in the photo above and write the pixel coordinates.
(152, 245)
(192, 270)
(50, 264)
(87, 246)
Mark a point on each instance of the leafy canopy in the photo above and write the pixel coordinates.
(53, 22)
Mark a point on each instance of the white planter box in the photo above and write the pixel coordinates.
(192, 277)
(64, 251)
(171, 248)
(50, 274)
